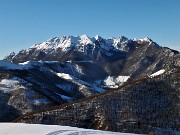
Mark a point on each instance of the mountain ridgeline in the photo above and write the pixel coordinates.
(116, 84)
(121, 56)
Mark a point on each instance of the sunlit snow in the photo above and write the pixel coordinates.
(158, 73)
(7, 85)
(79, 82)
(37, 129)
(114, 82)
(65, 76)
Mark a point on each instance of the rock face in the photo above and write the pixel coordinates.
(64, 70)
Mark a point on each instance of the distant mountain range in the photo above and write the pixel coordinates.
(64, 70)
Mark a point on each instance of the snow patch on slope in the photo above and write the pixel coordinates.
(162, 71)
(112, 81)
(20, 66)
(8, 85)
(38, 101)
(24, 63)
(30, 64)
(78, 69)
(79, 82)
(9, 82)
(65, 76)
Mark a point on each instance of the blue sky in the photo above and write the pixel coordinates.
(26, 22)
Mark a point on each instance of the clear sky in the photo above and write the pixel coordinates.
(27, 22)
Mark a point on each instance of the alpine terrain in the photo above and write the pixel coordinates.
(115, 84)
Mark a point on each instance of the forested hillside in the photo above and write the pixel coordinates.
(143, 106)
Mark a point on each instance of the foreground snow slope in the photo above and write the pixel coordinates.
(37, 129)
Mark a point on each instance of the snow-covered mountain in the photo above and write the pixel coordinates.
(67, 69)
(115, 56)
(56, 48)
(82, 43)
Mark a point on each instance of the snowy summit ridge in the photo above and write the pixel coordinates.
(89, 46)
(66, 42)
